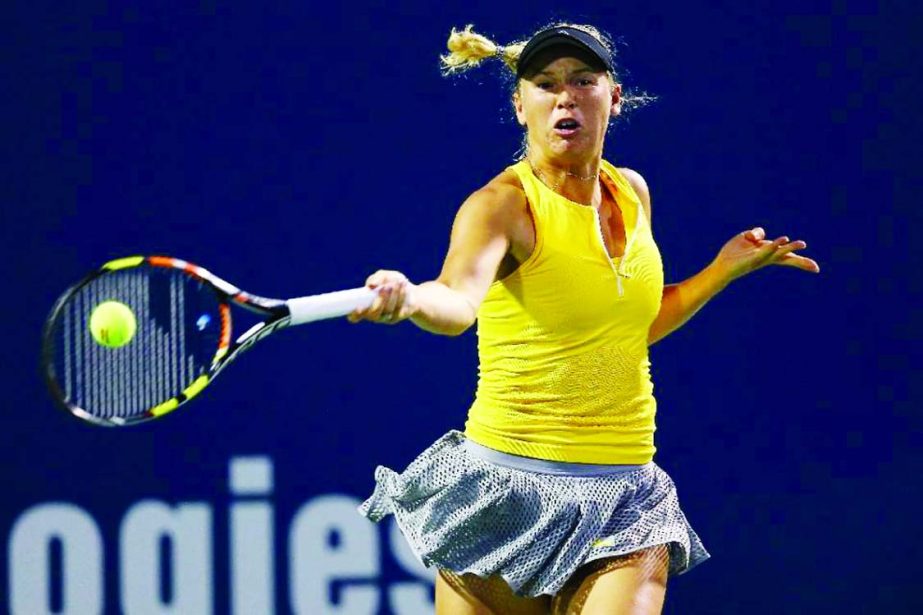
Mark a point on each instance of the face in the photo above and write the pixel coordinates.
(565, 104)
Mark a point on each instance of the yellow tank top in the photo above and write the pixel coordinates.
(562, 341)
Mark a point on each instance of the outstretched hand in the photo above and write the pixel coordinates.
(748, 251)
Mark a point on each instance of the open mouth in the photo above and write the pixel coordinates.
(566, 126)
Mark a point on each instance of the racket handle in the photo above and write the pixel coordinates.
(329, 305)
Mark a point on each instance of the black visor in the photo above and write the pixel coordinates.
(563, 35)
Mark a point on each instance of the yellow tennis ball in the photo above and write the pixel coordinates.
(113, 324)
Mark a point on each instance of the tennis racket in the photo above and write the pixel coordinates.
(182, 336)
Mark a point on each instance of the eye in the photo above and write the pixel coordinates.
(543, 85)
(584, 81)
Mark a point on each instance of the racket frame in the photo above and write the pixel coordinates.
(275, 312)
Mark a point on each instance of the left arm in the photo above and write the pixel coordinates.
(681, 301)
(744, 253)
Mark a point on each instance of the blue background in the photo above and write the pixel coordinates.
(294, 148)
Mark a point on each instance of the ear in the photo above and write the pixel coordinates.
(517, 105)
(616, 108)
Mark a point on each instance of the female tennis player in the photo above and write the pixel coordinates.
(549, 502)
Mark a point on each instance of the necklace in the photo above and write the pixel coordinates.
(541, 175)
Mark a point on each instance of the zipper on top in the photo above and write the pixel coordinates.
(616, 269)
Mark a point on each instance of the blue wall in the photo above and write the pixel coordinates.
(295, 148)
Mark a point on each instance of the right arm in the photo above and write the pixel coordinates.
(481, 237)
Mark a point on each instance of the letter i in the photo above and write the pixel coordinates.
(251, 529)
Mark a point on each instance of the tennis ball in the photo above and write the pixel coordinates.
(113, 324)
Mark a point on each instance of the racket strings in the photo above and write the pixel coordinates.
(179, 323)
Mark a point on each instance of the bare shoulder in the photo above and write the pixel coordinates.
(640, 187)
(487, 228)
(504, 191)
(500, 200)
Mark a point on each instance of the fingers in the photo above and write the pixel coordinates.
(392, 299)
(801, 262)
(767, 251)
(784, 255)
(781, 241)
(780, 251)
(390, 304)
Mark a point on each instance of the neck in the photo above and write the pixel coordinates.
(578, 182)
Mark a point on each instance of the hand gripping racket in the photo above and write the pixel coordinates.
(182, 336)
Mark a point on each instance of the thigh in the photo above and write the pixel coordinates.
(471, 595)
(633, 584)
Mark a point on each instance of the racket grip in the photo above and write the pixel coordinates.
(329, 305)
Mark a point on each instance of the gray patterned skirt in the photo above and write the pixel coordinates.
(468, 509)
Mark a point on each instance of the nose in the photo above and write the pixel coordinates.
(566, 99)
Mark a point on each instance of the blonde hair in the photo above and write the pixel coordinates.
(467, 48)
